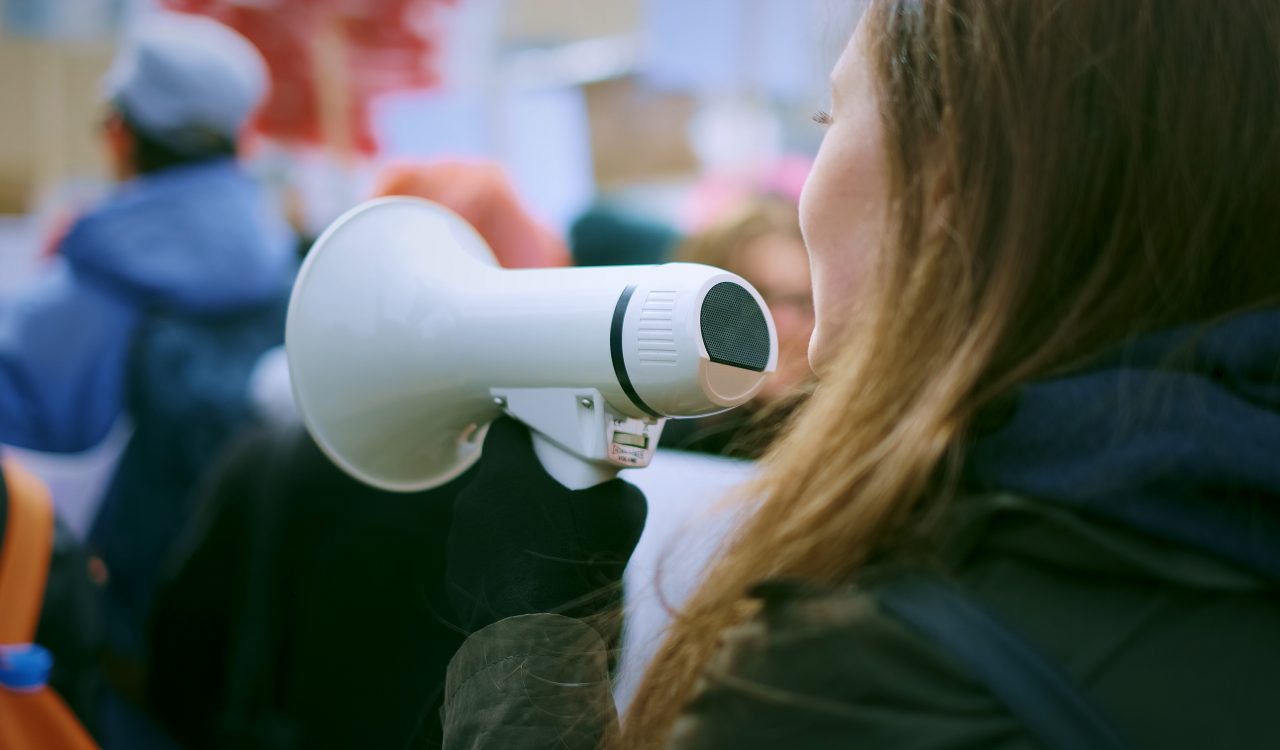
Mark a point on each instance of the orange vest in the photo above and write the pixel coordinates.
(36, 720)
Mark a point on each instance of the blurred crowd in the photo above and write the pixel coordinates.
(171, 622)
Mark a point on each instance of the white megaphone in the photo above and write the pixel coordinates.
(405, 340)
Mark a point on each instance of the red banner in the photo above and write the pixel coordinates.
(329, 58)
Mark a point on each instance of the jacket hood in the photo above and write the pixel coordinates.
(200, 238)
(1176, 434)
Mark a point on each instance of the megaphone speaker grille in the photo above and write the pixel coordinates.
(734, 329)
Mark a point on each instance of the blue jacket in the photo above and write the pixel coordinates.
(196, 239)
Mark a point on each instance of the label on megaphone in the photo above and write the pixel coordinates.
(405, 340)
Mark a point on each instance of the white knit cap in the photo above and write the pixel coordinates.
(186, 80)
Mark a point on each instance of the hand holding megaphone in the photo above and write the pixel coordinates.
(520, 543)
(405, 340)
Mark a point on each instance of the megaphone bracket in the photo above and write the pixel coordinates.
(579, 438)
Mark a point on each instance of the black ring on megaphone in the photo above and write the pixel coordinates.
(615, 349)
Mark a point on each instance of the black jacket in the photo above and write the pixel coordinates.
(332, 587)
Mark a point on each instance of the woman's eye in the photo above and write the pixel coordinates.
(822, 117)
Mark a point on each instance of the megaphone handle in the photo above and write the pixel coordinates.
(573, 471)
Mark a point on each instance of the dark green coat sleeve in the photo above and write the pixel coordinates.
(533, 681)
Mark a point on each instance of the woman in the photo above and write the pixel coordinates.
(1044, 243)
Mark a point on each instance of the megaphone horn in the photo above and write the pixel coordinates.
(405, 340)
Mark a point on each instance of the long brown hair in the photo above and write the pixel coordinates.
(1110, 167)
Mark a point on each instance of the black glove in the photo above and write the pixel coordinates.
(522, 543)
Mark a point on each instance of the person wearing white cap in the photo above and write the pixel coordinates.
(187, 85)
(159, 301)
